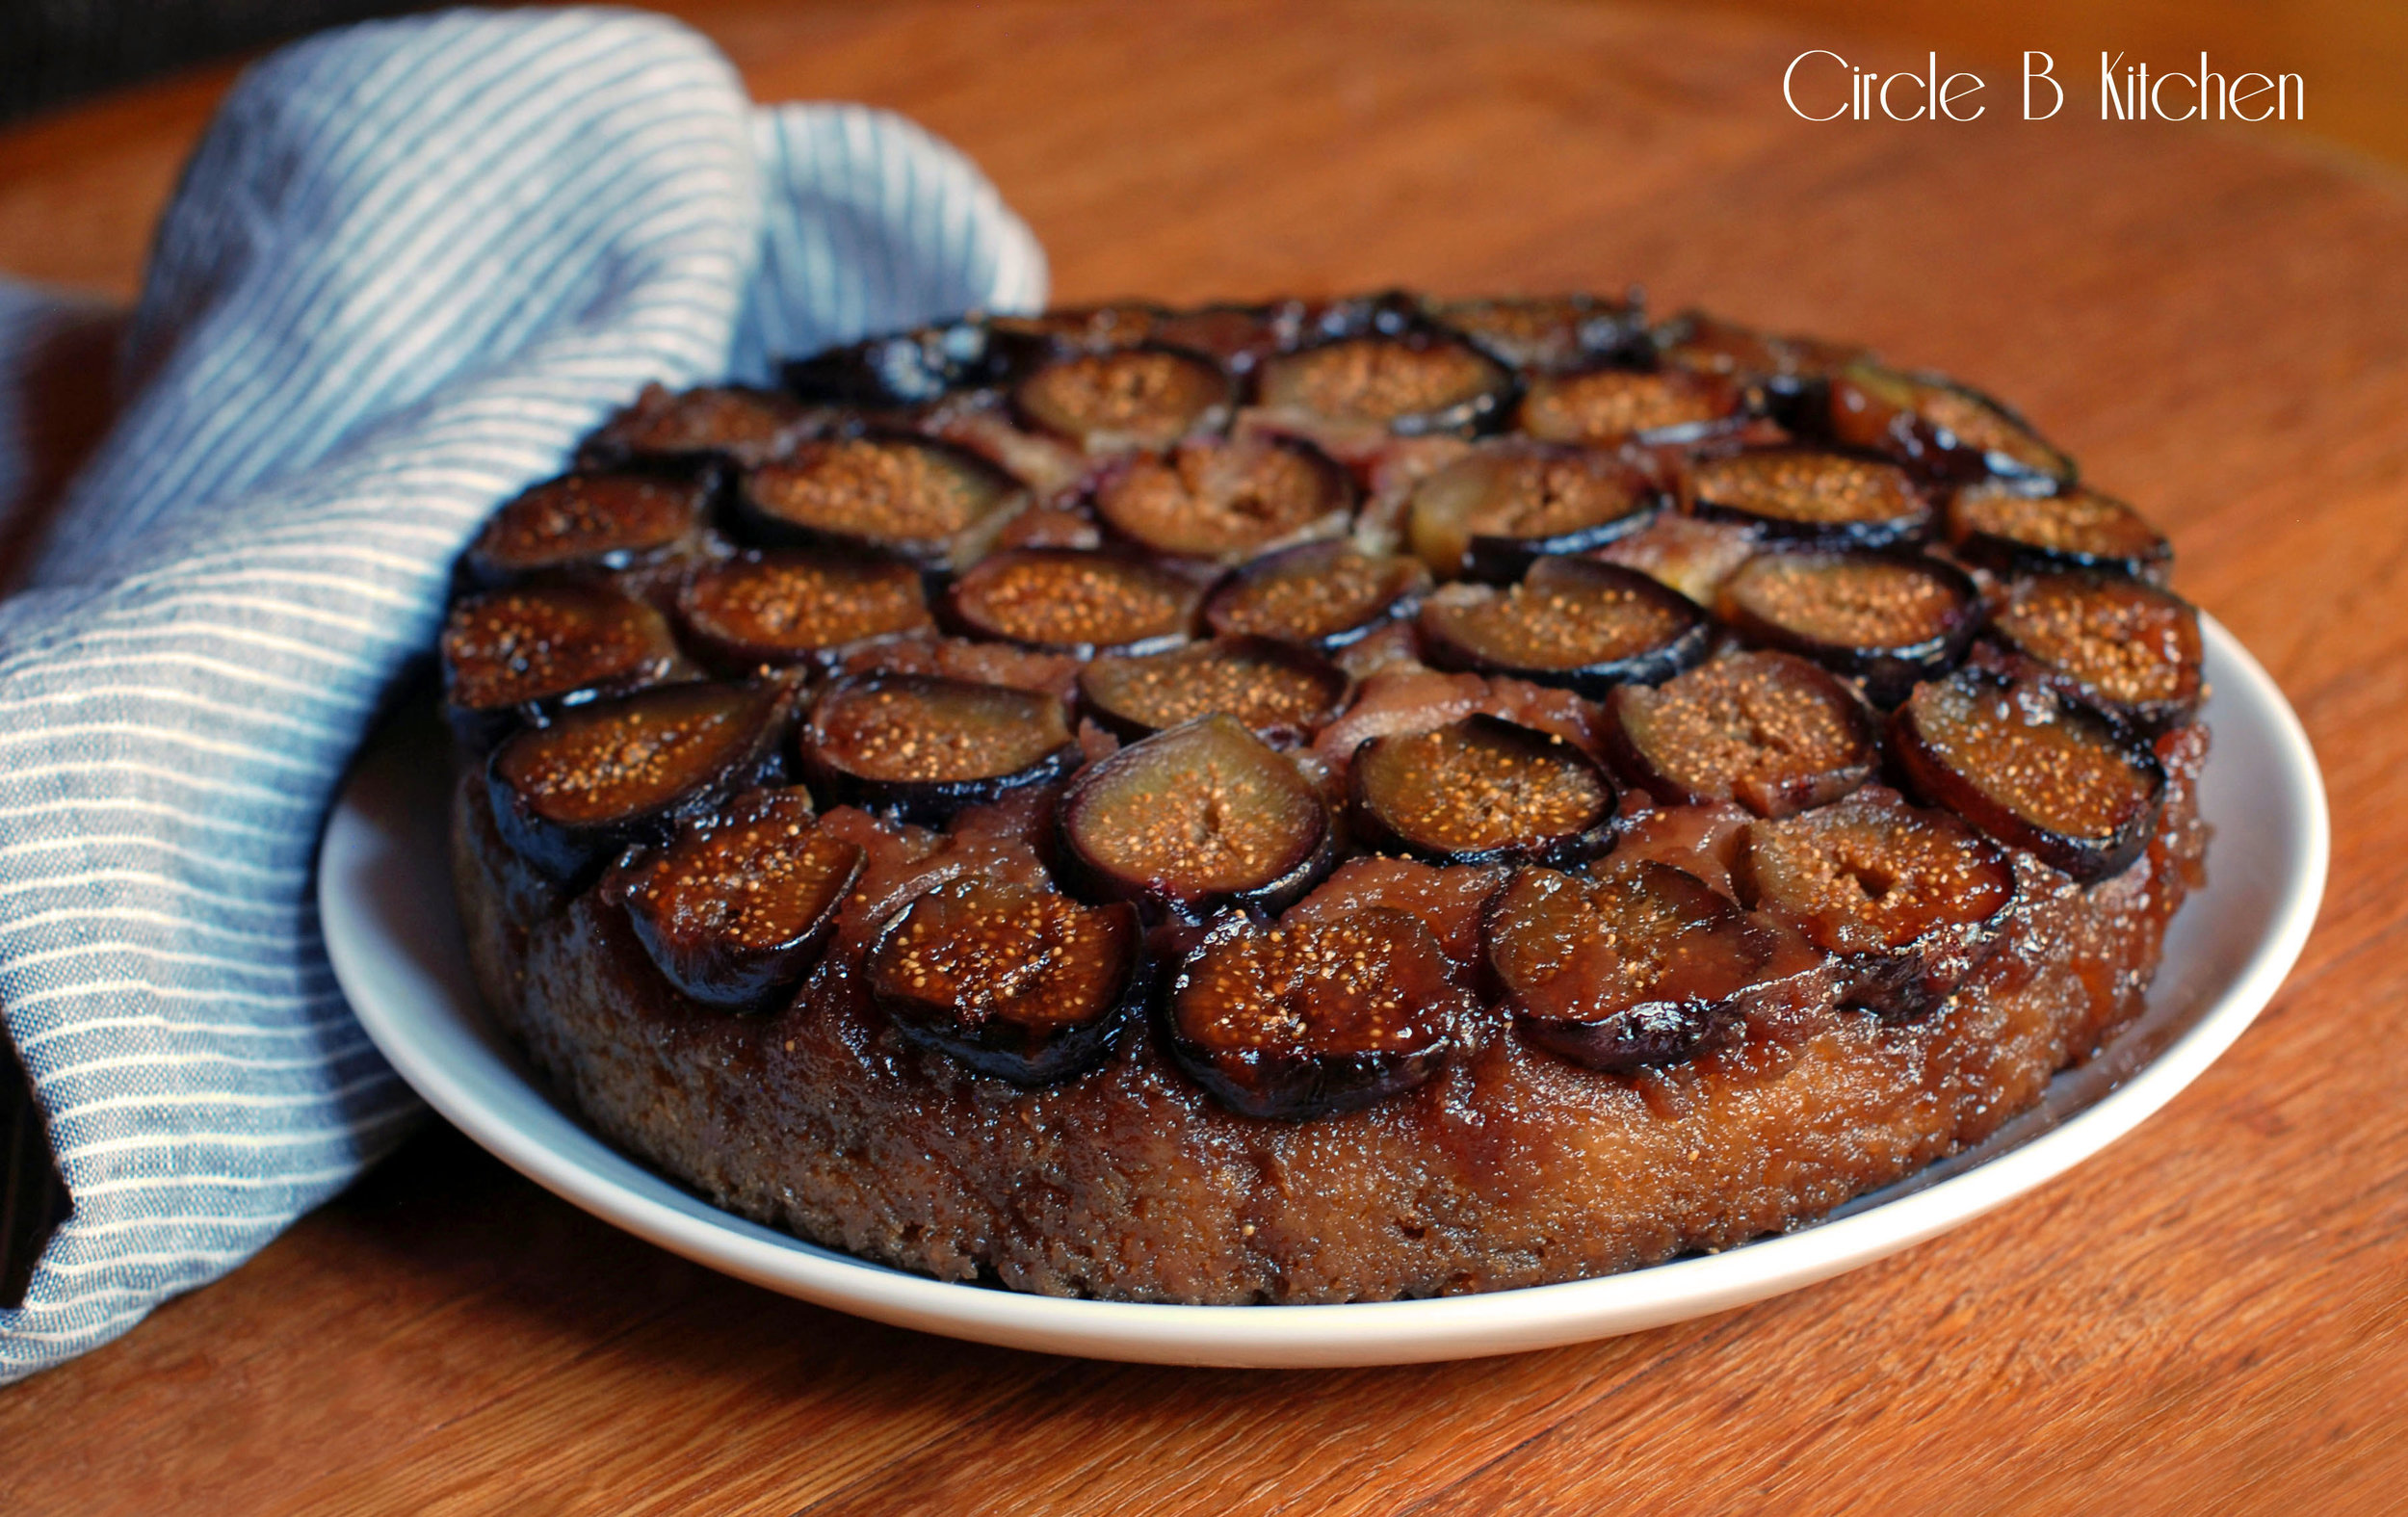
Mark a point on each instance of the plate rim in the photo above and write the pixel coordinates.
(579, 1166)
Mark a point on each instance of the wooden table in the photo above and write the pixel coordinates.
(2212, 1315)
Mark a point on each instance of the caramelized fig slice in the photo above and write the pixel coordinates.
(1771, 731)
(930, 502)
(1074, 600)
(1785, 365)
(1642, 965)
(783, 607)
(1226, 500)
(717, 423)
(1610, 406)
(1413, 383)
(1494, 510)
(1546, 333)
(1910, 900)
(1575, 623)
(737, 906)
(612, 773)
(545, 643)
(1888, 621)
(598, 521)
(1145, 397)
(1480, 791)
(1939, 426)
(925, 746)
(2010, 530)
(1238, 337)
(1828, 498)
(2031, 768)
(1202, 816)
(1325, 596)
(1279, 689)
(2125, 646)
(1310, 1018)
(1016, 983)
(906, 369)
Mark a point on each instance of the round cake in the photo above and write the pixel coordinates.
(1320, 801)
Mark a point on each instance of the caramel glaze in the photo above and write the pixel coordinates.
(1512, 1168)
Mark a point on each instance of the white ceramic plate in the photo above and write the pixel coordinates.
(385, 897)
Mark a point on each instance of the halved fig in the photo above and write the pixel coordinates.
(1829, 498)
(1785, 365)
(545, 643)
(1202, 816)
(715, 423)
(1609, 406)
(737, 906)
(2014, 531)
(1226, 500)
(2122, 645)
(930, 502)
(1480, 791)
(1771, 731)
(1325, 596)
(1075, 601)
(1015, 981)
(1912, 900)
(1575, 623)
(1546, 333)
(1309, 1018)
(1238, 337)
(1413, 383)
(629, 770)
(1641, 965)
(1279, 689)
(784, 607)
(2031, 768)
(1888, 621)
(1124, 398)
(587, 521)
(924, 746)
(904, 369)
(1494, 510)
(1938, 426)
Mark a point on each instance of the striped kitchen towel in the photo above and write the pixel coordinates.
(408, 264)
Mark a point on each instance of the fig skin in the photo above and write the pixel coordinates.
(2027, 791)
(1909, 901)
(1197, 762)
(948, 502)
(1334, 1040)
(1554, 941)
(1943, 430)
(1789, 709)
(2009, 528)
(979, 931)
(1187, 672)
(1380, 590)
(1448, 627)
(2123, 645)
(597, 522)
(1058, 600)
(907, 368)
(858, 707)
(1945, 598)
(1809, 495)
(697, 904)
(1450, 758)
(1548, 333)
(733, 740)
(728, 424)
(514, 656)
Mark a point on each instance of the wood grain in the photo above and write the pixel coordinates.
(2211, 1315)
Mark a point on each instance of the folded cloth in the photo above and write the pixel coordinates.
(408, 264)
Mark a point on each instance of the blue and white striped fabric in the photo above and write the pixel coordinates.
(408, 264)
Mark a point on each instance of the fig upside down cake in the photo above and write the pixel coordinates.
(1326, 800)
